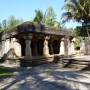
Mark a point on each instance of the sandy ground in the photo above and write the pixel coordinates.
(47, 77)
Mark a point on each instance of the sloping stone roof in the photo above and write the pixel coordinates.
(36, 28)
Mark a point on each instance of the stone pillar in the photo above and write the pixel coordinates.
(87, 46)
(7, 46)
(69, 46)
(28, 52)
(46, 48)
(62, 47)
(82, 48)
(73, 46)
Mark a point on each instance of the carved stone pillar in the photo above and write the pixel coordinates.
(67, 45)
(28, 52)
(73, 46)
(62, 47)
(46, 48)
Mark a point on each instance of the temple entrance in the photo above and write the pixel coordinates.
(34, 47)
(40, 47)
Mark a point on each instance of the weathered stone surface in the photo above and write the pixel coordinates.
(46, 48)
(62, 47)
(72, 48)
(28, 53)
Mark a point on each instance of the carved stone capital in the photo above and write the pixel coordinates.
(62, 39)
(28, 36)
(47, 38)
(73, 40)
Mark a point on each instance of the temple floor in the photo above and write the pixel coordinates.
(46, 77)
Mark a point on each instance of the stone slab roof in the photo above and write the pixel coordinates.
(29, 27)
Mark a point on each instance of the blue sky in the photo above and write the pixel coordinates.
(26, 9)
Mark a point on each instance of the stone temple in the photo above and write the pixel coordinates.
(31, 44)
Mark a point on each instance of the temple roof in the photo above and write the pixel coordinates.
(30, 27)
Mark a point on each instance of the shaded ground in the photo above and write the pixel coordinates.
(46, 77)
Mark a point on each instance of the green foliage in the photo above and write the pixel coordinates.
(4, 71)
(77, 42)
(12, 22)
(48, 18)
(39, 16)
(82, 30)
(78, 10)
(4, 24)
(0, 27)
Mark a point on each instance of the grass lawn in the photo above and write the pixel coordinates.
(4, 71)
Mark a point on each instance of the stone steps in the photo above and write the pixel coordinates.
(76, 63)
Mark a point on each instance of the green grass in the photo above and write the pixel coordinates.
(4, 71)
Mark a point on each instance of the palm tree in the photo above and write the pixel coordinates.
(78, 10)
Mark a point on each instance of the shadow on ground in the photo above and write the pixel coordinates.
(45, 77)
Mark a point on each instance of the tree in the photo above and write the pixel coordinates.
(38, 17)
(78, 10)
(0, 27)
(49, 17)
(12, 22)
(4, 25)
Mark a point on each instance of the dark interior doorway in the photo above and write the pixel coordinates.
(56, 46)
(40, 47)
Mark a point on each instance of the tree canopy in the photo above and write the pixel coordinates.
(39, 16)
(48, 18)
(10, 23)
(78, 10)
